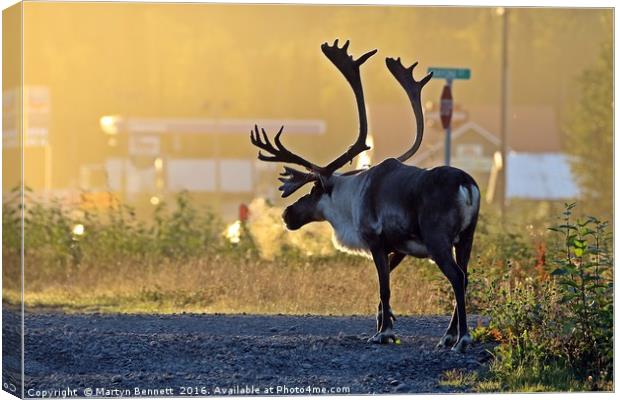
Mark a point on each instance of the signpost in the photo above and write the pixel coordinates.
(446, 101)
(450, 73)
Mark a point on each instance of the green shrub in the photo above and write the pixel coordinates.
(557, 334)
(585, 277)
(11, 222)
(107, 237)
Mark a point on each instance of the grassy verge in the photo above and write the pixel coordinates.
(226, 285)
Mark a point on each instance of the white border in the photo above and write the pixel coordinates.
(480, 3)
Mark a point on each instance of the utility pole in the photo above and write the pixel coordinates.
(504, 112)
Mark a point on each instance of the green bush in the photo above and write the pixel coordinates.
(585, 277)
(108, 237)
(11, 222)
(557, 334)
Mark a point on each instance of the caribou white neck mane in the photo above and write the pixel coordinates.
(341, 209)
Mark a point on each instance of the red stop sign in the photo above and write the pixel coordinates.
(445, 110)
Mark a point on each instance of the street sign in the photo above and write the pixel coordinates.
(457, 115)
(450, 73)
(445, 110)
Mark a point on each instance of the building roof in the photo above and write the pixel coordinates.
(113, 124)
(439, 145)
(540, 176)
(529, 128)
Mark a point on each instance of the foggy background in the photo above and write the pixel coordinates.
(147, 100)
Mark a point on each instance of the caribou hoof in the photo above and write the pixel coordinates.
(446, 340)
(383, 337)
(462, 344)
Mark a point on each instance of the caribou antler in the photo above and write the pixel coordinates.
(293, 179)
(350, 68)
(279, 152)
(404, 76)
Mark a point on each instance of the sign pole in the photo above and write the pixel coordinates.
(446, 101)
(449, 126)
(448, 141)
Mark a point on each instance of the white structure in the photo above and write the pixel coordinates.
(154, 161)
(540, 176)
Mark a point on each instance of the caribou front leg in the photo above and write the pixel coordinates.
(384, 330)
(394, 260)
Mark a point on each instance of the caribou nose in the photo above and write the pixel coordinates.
(285, 215)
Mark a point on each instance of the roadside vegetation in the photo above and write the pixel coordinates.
(184, 259)
(548, 292)
(555, 330)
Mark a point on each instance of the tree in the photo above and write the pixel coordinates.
(589, 134)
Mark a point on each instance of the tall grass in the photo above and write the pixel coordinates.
(180, 261)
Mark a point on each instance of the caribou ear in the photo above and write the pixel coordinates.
(293, 179)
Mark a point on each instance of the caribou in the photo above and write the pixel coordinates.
(390, 210)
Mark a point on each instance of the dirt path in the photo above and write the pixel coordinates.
(213, 353)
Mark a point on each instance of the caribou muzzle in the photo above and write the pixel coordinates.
(292, 223)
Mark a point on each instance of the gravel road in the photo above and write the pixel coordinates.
(111, 355)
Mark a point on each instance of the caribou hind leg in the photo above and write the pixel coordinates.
(451, 335)
(441, 252)
(463, 252)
